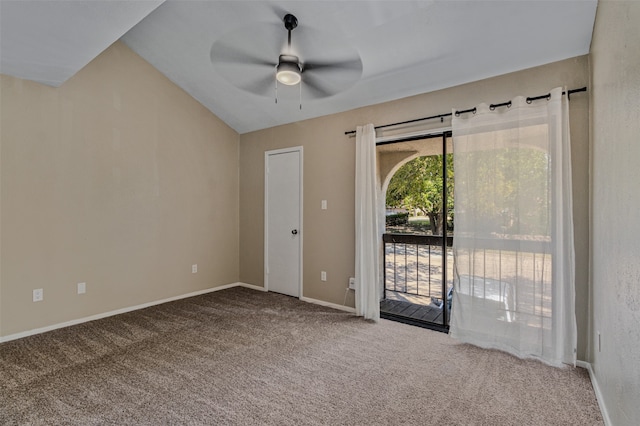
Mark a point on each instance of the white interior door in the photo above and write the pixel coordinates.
(283, 221)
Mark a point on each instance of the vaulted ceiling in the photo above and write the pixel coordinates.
(224, 52)
(50, 41)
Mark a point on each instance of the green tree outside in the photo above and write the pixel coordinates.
(418, 185)
(510, 190)
(510, 187)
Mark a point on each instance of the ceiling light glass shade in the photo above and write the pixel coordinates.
(288, 73)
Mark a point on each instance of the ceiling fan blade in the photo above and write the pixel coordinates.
(278, 12)
(222, 54)
(330, 78)
(317, 88)
(263, 86)
(350, 65)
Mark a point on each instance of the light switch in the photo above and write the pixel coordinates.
(324, 204)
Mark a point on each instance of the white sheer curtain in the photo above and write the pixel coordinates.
(513, 240)
(367, 241)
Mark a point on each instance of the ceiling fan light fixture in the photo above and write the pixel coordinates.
(288, 73)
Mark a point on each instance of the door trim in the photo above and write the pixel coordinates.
(300, 150)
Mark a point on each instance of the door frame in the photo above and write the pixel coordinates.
(446, 137)
(300, 150)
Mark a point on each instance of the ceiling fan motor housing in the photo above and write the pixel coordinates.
(289, 70)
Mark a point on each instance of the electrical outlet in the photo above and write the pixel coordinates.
(194, 269)
(323, 275)
(82, 288)
(38, 295)
(352, 283)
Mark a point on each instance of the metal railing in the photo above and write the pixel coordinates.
(512, 272)
(413, 264)
(516, 273)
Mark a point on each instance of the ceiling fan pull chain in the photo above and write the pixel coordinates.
(300, 84)
(276, 90)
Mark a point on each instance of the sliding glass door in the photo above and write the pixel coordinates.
(418, 263)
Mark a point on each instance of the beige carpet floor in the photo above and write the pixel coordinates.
(244, 357)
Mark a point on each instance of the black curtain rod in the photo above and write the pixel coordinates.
(492, 107)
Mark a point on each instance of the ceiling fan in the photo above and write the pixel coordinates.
(246, 59)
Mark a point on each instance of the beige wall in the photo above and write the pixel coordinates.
(118, 179)
(615, 94)
(121, 180)
(329, 158)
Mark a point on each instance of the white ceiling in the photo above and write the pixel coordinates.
(49, 41)
(406, 47)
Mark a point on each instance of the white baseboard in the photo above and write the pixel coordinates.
(594, 382)
(328, 304)
(156, 302)
(251, 286)
(119, 311)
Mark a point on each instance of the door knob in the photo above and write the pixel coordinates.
(294, 232)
